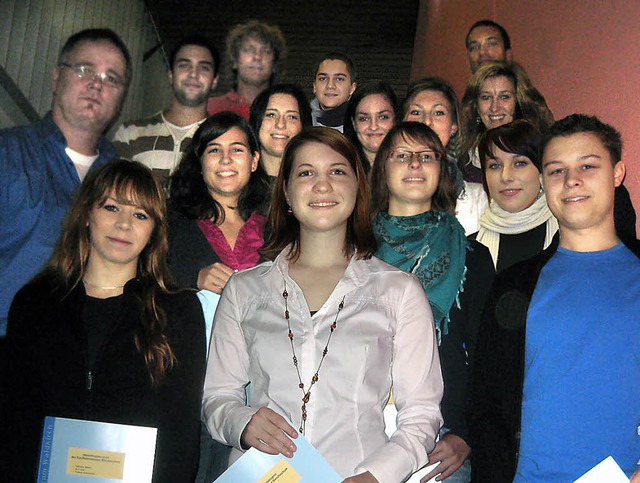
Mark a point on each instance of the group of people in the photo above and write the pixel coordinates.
(457, 259)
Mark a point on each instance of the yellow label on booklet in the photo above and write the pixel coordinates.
(282, 472)
(93, 462)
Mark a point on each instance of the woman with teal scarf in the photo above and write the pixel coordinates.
(413, 199)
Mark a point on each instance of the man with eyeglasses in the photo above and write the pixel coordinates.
(158, 141)
(256, 51)
(44, 164)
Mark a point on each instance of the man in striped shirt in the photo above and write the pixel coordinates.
(159, 141)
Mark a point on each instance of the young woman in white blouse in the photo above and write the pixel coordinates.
(324, 331)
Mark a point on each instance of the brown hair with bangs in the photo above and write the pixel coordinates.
(129, 182)
(444, 199)
(286, 228)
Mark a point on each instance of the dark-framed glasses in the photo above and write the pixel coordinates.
(404, 156)
(88, 73)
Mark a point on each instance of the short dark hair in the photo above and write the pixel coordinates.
(517, 137)
(260, 103)
(506, 41)
(444, 199)
(200, 41)
(286, 228)
(351, 67)
(582, 123)
(98, 35)
(265, 33)
(189, 193)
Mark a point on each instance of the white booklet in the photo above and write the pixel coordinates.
(73, 450)
(306, 466)
(607, 470)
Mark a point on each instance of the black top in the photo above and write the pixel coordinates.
(51, 376)
(98, 318)
(519, 247)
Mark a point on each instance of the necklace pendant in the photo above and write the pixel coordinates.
(306, 396)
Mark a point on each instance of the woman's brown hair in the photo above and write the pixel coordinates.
(285, 226)
(129, 182)
(530, 104)
(444, 199)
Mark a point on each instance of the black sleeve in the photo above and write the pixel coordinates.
(24, 412)
(624, 214)
(189, 250)
(179, 426)
(457, 347)
(496, 386)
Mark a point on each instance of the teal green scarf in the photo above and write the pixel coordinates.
(431, 245)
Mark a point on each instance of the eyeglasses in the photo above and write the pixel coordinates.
(264, 51)
(402, 156)
(87, 73)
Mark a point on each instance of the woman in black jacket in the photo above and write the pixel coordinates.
(97, 335)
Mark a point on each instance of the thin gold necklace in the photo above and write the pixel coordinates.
(115, 287)
(306, 395)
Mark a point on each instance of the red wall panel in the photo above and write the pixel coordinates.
(583, 56)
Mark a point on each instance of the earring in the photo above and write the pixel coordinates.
(289, 210)
(478, 119)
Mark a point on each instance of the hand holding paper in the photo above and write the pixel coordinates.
(268, 432)
(362, 478)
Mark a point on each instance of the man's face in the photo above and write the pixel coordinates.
(89, 104)
(579, 180)
(192, 76)
(333, 85)
(484, 45)
(255, 62)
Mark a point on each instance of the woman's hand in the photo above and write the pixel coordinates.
(361, 478)
(269, 432)
(214, 277)
(450, 451)
(635, 478)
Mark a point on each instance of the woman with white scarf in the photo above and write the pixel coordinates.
(518, 223)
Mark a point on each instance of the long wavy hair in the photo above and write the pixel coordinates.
(260, 103)
(444, 199)
(361, 93)
(530, 104)
(285, 226)
(188, 190)
(129, 182)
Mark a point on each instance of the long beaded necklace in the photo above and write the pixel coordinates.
(306, 395)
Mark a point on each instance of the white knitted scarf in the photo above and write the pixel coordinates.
(495, 221)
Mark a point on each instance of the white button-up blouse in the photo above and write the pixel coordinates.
(384, 337)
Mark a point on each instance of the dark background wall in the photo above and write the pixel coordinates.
(377, 35)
